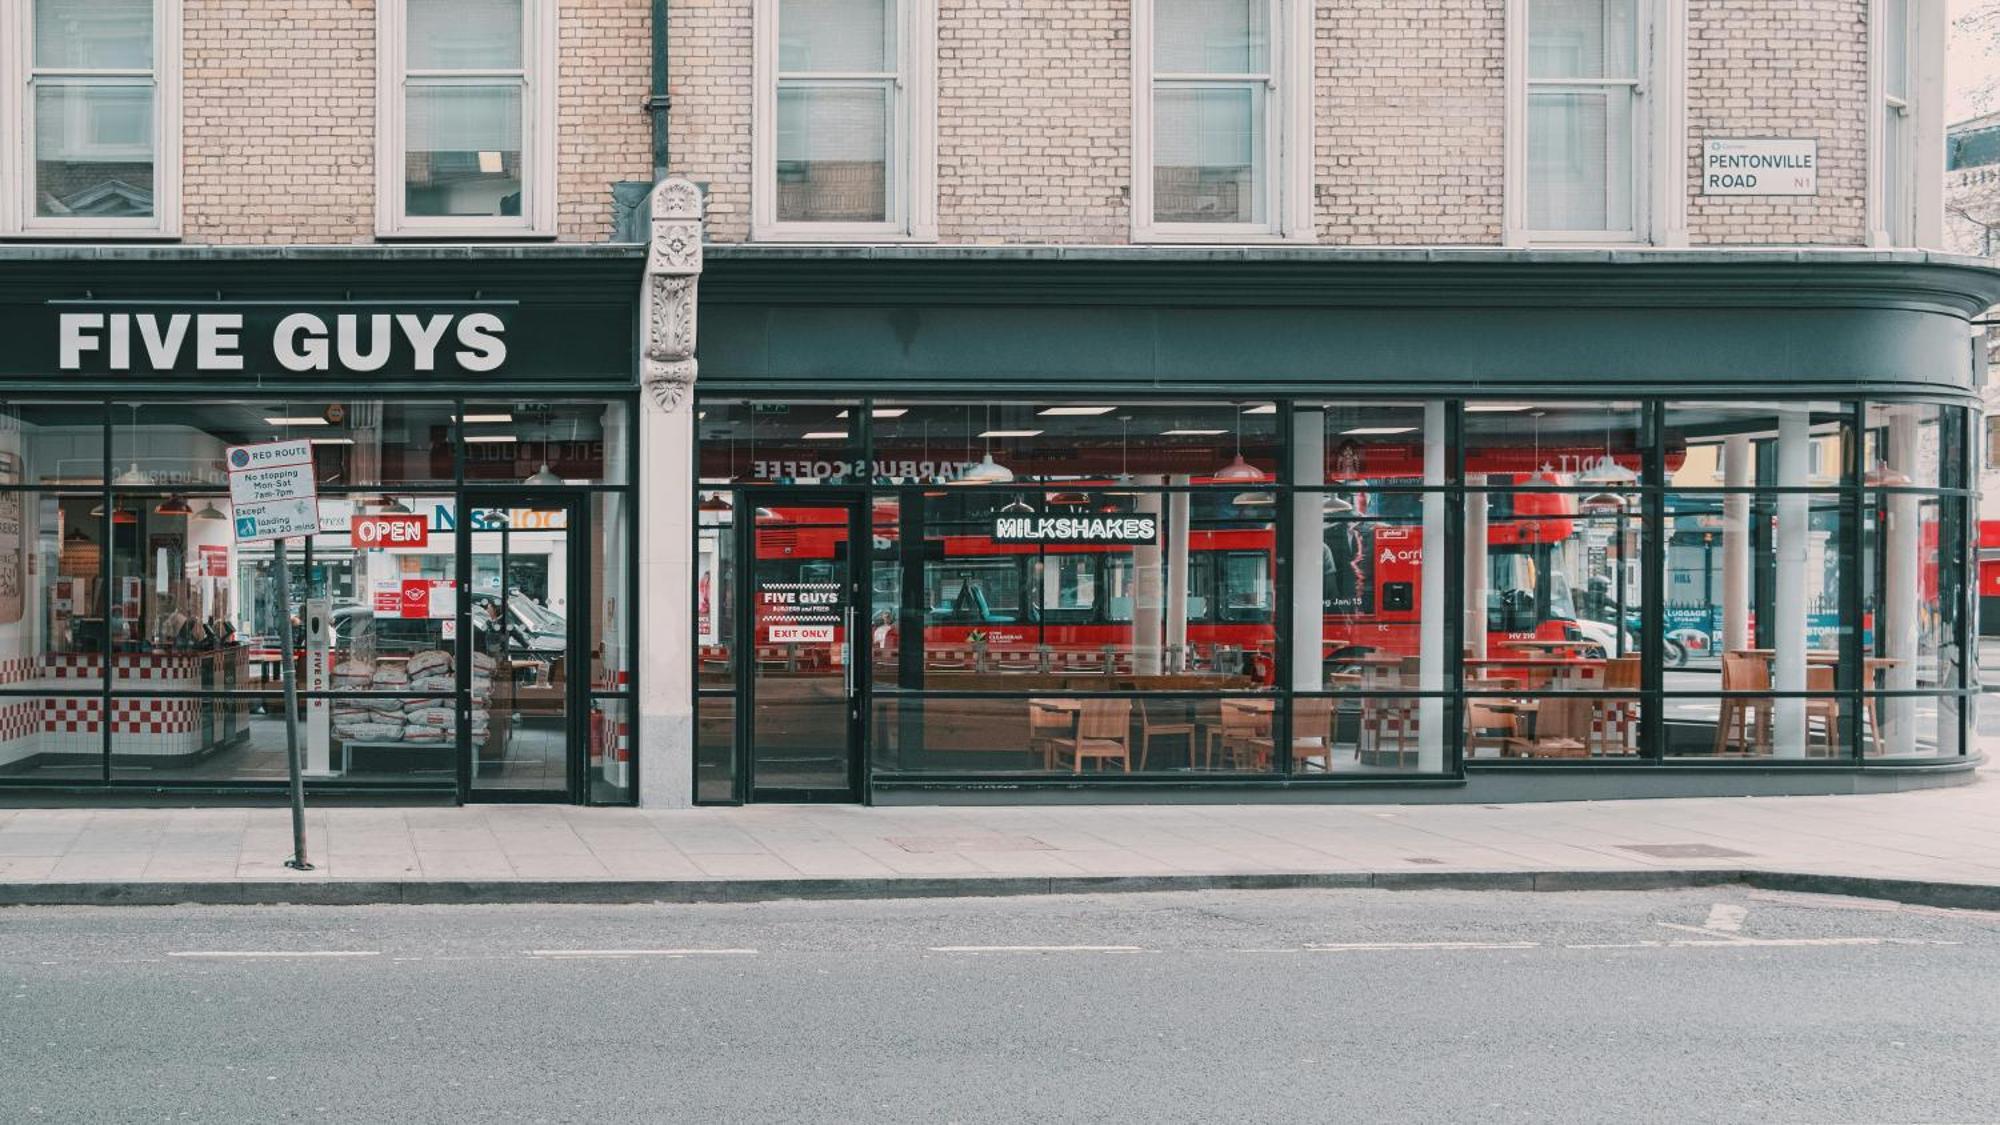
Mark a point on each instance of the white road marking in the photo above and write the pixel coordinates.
(276, 953)
(1702, 930)
(1037, 949)
(1617, 945)
(1745, 943)
(1726, 917)
(641, 952)
(1354, 946)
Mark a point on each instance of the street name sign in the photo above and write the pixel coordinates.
(271, 490)
(1760, 166)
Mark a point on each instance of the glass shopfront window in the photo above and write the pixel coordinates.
(124, 533)
(1324, 589)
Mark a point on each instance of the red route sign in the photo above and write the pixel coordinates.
(368, 532)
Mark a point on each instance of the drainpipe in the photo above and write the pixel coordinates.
(660, 100)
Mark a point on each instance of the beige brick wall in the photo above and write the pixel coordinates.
(278, 107)
(710, 77)
(1799, 69)
(1034, 120)
(603, 134)
(1033, 117)
(278, 121)
(1411, 98)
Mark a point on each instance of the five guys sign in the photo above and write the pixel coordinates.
(466, 338)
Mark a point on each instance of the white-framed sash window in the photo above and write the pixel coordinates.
(1222, 120)
(465, 118)
(89, 118)
(842, 139)
(1586, 123)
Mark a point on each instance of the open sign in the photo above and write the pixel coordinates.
(390, 531)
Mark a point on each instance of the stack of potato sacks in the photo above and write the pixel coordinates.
(412, 720)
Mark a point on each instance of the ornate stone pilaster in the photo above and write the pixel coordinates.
(665, 491)
(673, 272)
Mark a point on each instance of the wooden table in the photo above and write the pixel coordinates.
(1872, 668)
(1545, 646)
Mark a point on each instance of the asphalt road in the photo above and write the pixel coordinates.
(1721, 1005)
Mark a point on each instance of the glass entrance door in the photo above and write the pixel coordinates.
(526, 590)
(804, 683)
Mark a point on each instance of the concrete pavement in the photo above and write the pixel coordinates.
(1939, 846)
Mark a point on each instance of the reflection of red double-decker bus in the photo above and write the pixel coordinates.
(1373, 558)
(1053, 605)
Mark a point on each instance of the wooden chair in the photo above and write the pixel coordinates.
(1312, 737)
(1614, 723)
(1151, 728)
(1488, 726)
(1743, 722)
(1242, 725)
(1045, 724)
(1822, 715)
(1103, 733)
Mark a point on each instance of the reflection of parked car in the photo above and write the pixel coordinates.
(357, 626)
(531, 626)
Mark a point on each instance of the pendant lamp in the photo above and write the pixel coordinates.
(988, 471)
(1239, 471)
(1544, 473)
(1880, 475)
(1016, 506)
(209, 512)
(542, 475)
(173, 506)
(1337, 505)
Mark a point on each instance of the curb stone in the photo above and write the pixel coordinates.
(368, 892)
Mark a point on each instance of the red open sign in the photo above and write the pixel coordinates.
(390, 531)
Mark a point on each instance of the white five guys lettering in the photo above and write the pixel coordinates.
(301, 342)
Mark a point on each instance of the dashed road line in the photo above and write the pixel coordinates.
(1365, 946)
(1038, 949)
(576, 953)
(274, 953)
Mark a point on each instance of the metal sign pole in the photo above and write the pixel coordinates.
(291, 678)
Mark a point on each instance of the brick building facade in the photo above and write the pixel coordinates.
(1030, 116)
(1330, 395)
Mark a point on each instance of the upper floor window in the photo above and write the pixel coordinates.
(1222, 119)
(842, 136)
(466, 117)
(1584, 161)
(89, 109)
(1898, 132)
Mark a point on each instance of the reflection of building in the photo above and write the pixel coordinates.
(1205, 400)
(1972, 226)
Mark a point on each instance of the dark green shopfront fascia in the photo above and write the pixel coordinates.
(1089, 524)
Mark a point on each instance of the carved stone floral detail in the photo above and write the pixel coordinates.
(673, 271)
